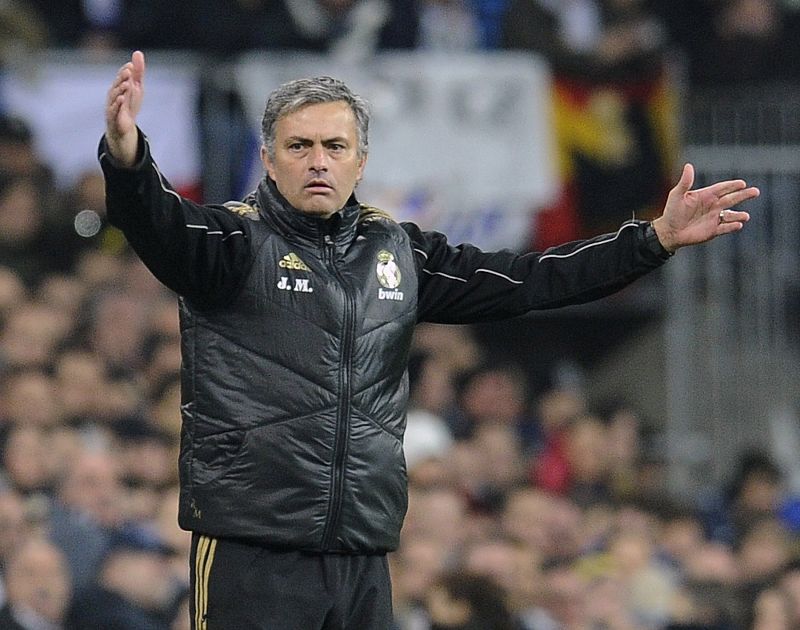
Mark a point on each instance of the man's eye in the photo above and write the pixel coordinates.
(295, 146)
(337, 147)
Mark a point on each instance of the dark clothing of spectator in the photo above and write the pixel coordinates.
(101, 608)
(229, 28)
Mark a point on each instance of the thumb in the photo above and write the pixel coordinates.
(138, 66)
(686, 180)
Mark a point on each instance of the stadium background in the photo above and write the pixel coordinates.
(632, 463)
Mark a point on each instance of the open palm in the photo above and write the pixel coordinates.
(696, 216)
(122, 107)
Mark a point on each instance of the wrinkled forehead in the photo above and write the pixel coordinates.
(318, 120)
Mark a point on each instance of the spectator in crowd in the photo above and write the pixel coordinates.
(134, 589)
(18, 154)
(88, 508)
(461, 601)
(22, 31)
(38, 588)
(349, 28)
(415, 568)
(772, 610)
(512, 566)
(118, 331)
(789, 582)
(27, 459)
(12, 292)
(722, 40)
(146, 456)
(88, 24)
(23, 239)
(30, 335)
(756, 490)
(585, 461)
(764, 550)
(14, 529)
(495, 394)
(29, 398)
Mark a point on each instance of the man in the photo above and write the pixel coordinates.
(297, 310)
(38, 588)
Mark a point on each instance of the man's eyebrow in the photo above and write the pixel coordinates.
(339, 139)
(302, 140)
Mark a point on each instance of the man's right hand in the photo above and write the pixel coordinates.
(122, 106)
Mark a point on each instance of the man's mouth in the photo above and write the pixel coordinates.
(318, 186)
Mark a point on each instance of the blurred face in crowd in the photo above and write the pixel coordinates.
(92, 487)
(12, 522)
(28, 459)
(119, 328)
(21, 216)
(37, 580)
(31, 334)
(141, 577)
(30, 399)
(316, 165)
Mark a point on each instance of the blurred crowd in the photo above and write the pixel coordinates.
(727, 40)
(529, 509)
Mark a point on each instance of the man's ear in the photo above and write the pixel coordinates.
(268, 166)
(361, 167)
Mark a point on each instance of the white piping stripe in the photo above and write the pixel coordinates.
(500, 275)
(588, 245)
(439, 273)
(214, 232)
(419, 251)
(161, 182)
(505, 277)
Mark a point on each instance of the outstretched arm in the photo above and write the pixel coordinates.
(697, 216)
(122, 106)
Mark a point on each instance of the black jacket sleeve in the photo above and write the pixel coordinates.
(200, 252)
(462, 284)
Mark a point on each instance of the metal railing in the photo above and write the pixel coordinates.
(732, 328)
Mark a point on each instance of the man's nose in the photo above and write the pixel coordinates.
(318, 159)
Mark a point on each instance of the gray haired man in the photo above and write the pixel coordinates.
(297, 311)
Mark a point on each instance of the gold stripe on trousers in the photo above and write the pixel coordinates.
(204, 557)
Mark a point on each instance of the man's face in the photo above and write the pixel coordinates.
(316, 165)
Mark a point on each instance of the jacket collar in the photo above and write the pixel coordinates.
(298, 226)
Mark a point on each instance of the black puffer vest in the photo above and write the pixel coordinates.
(295, 391)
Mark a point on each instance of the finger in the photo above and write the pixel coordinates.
(114, 94)
(113, 109)
(734, 216)
(729, 228)
(724, 188)
(736, 197)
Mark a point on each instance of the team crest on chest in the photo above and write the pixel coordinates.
(389, 277)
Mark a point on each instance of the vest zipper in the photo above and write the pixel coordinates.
(342, 435)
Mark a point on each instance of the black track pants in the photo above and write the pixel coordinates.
(249, 587)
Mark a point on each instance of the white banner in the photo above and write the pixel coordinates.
(459, 143)
(63, 101)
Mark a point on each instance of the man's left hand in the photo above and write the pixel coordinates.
(697, 216)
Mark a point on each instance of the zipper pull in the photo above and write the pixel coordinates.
(327, 239)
